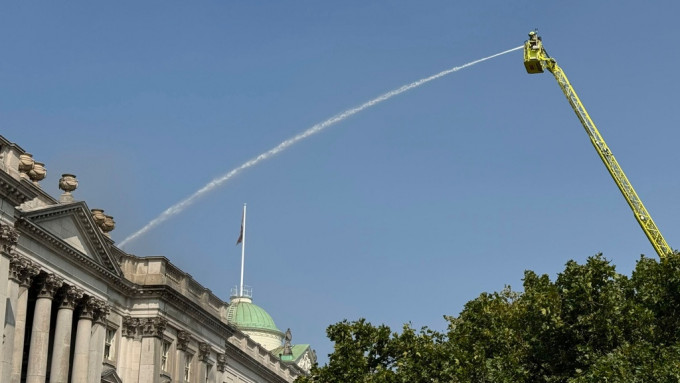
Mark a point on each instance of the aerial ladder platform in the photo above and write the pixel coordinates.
(537, 60)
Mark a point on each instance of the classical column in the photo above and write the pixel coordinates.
(10, 319)
(40, 332)
(16, 264)
(203, 359)
(150, 360)
(81, 351)
(183, 339)
(133, 346)
(94, 372)
(61, 350)
(25, 273)
(8, 241)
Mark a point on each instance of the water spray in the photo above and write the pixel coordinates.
(180, 206)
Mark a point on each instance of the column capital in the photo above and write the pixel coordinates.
(87, 306)
(48, 285)
(153, 327)
(221, 362)
(70, 296)
(203, 352)
(130, 326)
(9, 236)
(22, 270)
(183, 338)
(17, 264)
(29, 274)
(101, 311)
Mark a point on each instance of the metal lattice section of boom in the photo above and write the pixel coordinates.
(536, 60)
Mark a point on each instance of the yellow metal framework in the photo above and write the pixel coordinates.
(536, 60)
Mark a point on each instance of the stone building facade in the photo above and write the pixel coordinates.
(78, 309)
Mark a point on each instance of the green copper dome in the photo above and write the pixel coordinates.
(246, 315)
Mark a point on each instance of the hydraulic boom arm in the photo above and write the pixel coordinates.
(536, 60)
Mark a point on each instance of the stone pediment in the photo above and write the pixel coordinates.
(109, 375)
(73, 228)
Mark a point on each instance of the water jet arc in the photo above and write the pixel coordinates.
(180, 206)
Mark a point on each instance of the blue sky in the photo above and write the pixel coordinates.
(400, 213)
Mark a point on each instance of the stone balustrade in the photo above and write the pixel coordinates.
(158, 270)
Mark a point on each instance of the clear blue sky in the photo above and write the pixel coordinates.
(401, 213)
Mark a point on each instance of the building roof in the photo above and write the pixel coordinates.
(246, 315)
(297, 349)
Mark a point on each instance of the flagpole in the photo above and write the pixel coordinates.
(243, 249)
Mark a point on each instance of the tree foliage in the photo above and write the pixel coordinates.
(591, 324)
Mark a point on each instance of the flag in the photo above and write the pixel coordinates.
(240, 236)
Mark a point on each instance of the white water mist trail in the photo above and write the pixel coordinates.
(180, 206)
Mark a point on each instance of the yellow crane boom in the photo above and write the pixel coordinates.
(536, 60)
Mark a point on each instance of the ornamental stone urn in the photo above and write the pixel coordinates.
(98, 216)
(67, 183)
(108, 225)
(25, 164)
(37, 173)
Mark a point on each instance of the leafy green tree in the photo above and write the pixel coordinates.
(591, 324)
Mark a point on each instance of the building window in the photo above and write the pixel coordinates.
(164, 354)
(109, 343)
(187, 367)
